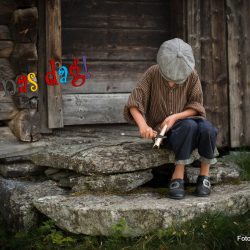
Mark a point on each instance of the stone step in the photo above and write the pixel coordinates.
(104, 150)
(16, 196)
(143, 212)
(20, 169)
(89, 151)
(105, 157)
(220, 172)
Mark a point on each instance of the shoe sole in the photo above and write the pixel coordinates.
(175, 198)
(201, 195)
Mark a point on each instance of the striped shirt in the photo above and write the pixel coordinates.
(156, 100)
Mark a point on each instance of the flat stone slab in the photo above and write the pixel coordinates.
(20, 169)
(90, 150)
(220, 172)
(100, 183)
(16, 198)
(143, 212)
(12, 148)
(114, 183)
(105, 158)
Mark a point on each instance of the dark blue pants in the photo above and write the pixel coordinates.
(188, 134)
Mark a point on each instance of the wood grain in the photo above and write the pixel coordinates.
(120, 40)
(4, 32)
(194, 30)
(6, 48)
(24, 51)
(7, 108)
(108, 77)
(123, 21)
(24, 25)
(93, 108)
(53, 50)
(239, 71)
(214, 67)
(42, 93)
(81, 8)
(6, 10)
(110, 53)
(73, 38)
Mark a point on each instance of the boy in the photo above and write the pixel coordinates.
(170, 93)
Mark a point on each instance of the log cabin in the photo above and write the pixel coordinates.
(120, 40)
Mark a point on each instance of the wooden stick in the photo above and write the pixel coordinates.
(158, 141)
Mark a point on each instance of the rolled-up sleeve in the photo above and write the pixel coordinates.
(195, 96)
(139, 97)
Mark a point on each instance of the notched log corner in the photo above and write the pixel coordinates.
(24, 25)
(25, 125)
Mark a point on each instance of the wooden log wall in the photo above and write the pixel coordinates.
(119, 38)
(8, 109)
(7, 106)
(53, 50)
(18, 55)
(219, 34)
(238, 47)
(206, 32)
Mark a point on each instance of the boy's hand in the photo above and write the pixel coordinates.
(170, 121)
(147, 132)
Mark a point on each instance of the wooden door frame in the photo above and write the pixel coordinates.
(49, 46)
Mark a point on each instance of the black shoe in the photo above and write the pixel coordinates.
(176, 189)
(203, 186)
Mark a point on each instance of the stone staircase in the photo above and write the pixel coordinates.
(87, 179)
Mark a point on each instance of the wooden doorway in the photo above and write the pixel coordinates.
(120, 40)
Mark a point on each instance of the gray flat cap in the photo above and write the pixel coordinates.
(176, 60)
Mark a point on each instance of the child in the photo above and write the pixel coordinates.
(170, 93)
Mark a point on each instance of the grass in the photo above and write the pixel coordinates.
(207, 232)
(242, 158)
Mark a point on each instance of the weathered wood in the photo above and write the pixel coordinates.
(7, 111)
(25, 125)
(24, 59)
(93, 108)
(6, 70)
(6, 10)
(114, 14)
(25, 51)
(108, 77)
(74, 37)
(25, 3)
(42, 92)
(194, 30)
(20, 126)
(214, 67)
(119, 21)
(120, 41)
(25, 102)
(108, 52)
(7, 108)
(6, 48)
(239, 71)
(113, 30)
(24, 25)
(54, 50)
(177, 19)
(113, 8)
(4, 32)
(24, 66)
